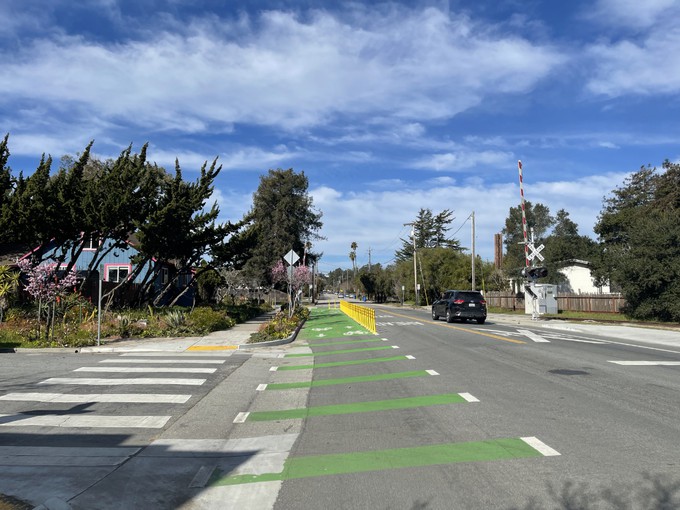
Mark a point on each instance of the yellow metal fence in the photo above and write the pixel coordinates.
(361, 314)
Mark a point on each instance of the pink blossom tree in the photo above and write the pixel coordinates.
(300, 276)
(45, 286)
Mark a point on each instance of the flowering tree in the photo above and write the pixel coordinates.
(44, 285)
(300, 276)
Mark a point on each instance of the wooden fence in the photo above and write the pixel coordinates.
(601, 303)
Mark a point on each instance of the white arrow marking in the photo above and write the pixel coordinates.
(533, 336)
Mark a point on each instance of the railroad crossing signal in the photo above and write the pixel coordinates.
(535, 252)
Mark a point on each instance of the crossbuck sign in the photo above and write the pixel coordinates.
(535, 252)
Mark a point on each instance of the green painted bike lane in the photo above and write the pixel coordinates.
(332, 327)
(396, 458)
(324, 323)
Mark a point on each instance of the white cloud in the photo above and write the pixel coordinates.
(651, 66)
(642, 56)
(285, 70)
(630, 13)
(465, 160)
(375, 218)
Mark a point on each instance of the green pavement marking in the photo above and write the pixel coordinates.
(342, 351)
(346, 380)
(341, 363)
(380, 460)
(345, 342)
(357, 407)
(331, 324)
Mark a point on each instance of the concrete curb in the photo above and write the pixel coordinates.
(273, 343)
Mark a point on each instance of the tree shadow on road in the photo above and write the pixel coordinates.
(654, 492)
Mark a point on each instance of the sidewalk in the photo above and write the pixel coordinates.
(233, 338)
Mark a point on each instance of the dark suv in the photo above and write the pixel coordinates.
(461, 305)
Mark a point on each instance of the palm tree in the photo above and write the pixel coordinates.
(353, 256)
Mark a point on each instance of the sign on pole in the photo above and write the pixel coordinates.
(291, 257)
(535, 252)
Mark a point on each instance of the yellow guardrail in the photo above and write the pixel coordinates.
(361, 314)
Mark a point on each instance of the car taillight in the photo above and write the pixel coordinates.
(482, 302)
(458, 302)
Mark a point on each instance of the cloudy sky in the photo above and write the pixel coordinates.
(386, 107)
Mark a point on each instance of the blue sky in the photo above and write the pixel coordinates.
(386, 107)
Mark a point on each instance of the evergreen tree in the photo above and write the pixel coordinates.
(282, 218)
(429, 232)
(179, 230)
(538, 217)
(564, 244)
(639, 230)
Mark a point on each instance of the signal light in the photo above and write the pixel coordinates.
(535, 272)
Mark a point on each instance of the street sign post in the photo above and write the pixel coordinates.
(291, 257)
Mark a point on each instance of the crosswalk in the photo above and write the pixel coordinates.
(151, 377)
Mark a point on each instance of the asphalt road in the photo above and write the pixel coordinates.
(615, 427)
(425, 415)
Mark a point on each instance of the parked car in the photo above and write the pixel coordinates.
(460, 305)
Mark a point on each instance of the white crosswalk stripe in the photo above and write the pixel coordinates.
(168, 360)
(120, 382)
(178, 370)
(97, 415)
(79, 398)
(80, 421)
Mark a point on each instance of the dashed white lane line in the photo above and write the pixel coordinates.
(241, 417)
(646, 363)
(469, 397)
(540, 446)
(178, 370)
(533, 336)
(71, 398)
(121, 382)
(71, 421)
(432, 372)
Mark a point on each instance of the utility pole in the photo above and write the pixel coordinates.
(415, 270)
(369, 259)
(473, 250)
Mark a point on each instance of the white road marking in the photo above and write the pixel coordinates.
(540, 446)
(570, 339)
(148, 369)
(156, 361)
(261, 387)
(71, 398)
(647, 363)
(241, 417)
(83, 421)
(469, 397)
(432, 372)
(395, 347)
(120, 382)
(408, 356)
(533, 336)
(273, 369)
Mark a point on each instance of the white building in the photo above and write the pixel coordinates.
(580, 279)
